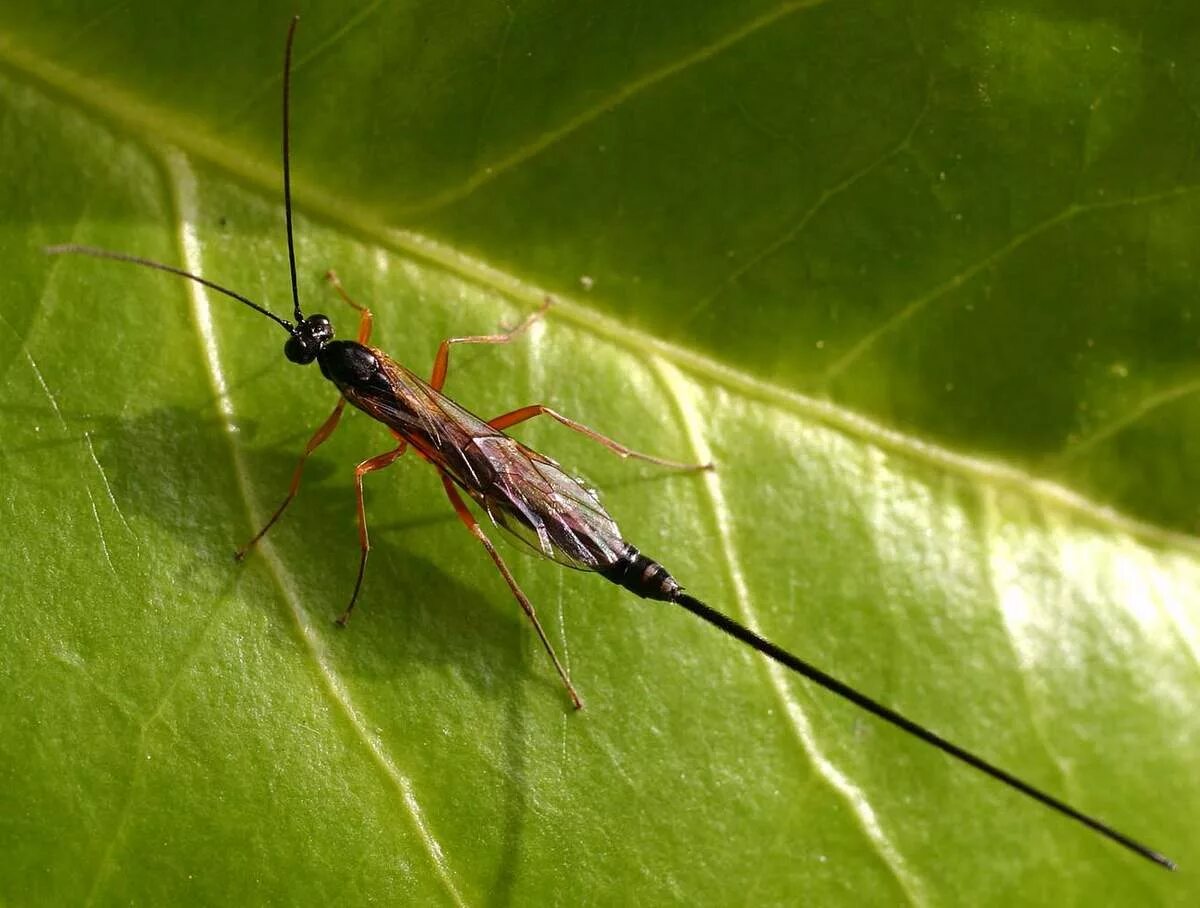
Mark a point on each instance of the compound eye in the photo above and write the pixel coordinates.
(299, 352)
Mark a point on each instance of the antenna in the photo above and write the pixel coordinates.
(287, 167)
(94, 252)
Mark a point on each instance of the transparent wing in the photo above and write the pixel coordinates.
(555, 514)
(523, 492)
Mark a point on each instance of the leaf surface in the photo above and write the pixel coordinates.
(921, 280)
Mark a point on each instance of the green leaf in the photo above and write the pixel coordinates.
(922, 281)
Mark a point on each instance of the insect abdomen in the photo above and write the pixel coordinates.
(643, 576)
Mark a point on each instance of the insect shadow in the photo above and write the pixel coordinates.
(410, 596)
(418, 616)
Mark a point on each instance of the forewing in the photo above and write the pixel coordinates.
(407, 404)
(552, 512)
(524, 493)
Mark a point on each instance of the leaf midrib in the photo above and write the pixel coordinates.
(162, 133)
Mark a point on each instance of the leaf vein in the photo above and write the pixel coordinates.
(826, 196)
(988, 530)
(917, 305)
(100, 533)
(1135, 414)
(87, 439)
(107, 862)
(851, 794)
(183, 183)
(606, 105)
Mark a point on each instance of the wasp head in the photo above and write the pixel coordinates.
(307, 339)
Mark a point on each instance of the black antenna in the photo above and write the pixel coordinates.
(287, 167)
(76, 249)
(814, 674)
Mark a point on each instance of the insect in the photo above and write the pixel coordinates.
(521, 491)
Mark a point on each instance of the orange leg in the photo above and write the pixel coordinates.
(442, 361)
(365, 319)
(315, 442)
(472, 524)
(367, 466)
(514, 417)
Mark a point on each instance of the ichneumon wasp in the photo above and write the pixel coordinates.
(521, 491)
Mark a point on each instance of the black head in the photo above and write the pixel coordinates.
(307, 340)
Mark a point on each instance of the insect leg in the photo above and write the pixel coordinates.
(472, 524)
(365, 319)
(442, 361)
(319, 436)
(367, 466)
(526, 413)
